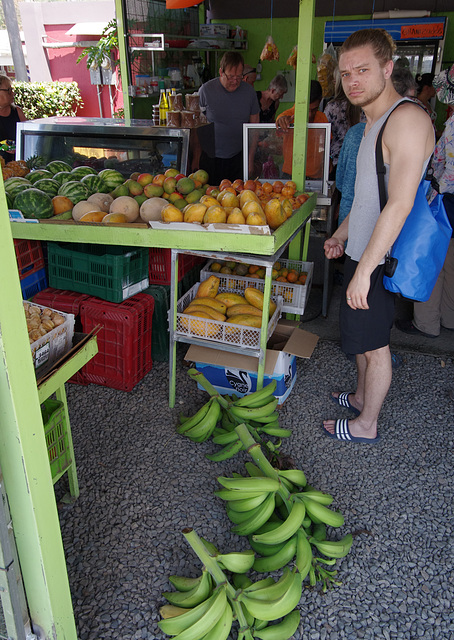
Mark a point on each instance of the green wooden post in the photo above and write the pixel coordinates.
(25, 463)
(124, 71)
(303, 78)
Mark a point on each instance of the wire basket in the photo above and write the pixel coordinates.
(222, 332)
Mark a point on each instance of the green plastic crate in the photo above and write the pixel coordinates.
(160, 332)
(110, 273)
(56, 432)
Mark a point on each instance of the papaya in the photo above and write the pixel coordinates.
(255, 298)
(212, 313)
(208, 288)
(199, 327)
(242, 309)
(246, 319)
(229, 299)
(210, 302)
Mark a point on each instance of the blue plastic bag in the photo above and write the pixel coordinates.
(420, 248)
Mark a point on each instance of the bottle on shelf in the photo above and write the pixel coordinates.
(170, 97)
(163, 108)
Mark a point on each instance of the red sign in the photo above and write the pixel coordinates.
(422, 31)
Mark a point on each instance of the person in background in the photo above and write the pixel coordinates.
(228, 102)
(404, 82)
(249, 74)
(270, 98)
(10, 115)
(314, 157)
(426, 92)
(342, 115)
(367, 309)
(438, 311)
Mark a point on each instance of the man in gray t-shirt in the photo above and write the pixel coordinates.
(228, 102)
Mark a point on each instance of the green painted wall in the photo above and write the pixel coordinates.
(285, 34)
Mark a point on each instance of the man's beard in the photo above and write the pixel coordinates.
(364, 101)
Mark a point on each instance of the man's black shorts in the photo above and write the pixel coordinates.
(366, 329)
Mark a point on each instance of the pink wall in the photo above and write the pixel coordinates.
(63, 67)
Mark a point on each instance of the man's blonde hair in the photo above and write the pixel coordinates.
(380, 40)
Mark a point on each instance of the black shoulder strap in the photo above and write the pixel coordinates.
(379, 163)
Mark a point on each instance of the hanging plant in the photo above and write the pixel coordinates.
(98, 53)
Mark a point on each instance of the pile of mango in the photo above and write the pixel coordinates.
(280, 273)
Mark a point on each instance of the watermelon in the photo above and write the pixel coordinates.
(75, 191)
(62, 176)
(79, 172)
(111, 178)
(34, 203)
(9, 201)
(95, 185)
(39, 174)
(48, 186)
(58, 165)
(15, 185)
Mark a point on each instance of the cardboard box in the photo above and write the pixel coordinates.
(235, 373)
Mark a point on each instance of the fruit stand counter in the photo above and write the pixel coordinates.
(138, 235)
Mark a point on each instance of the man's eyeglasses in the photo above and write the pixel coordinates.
(10, 90)
(230, 78)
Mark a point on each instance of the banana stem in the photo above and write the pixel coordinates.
(219, 577)
(254, 450)
(198, 377)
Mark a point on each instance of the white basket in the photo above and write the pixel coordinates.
(294, 295)
(54, 344)
(222, 332)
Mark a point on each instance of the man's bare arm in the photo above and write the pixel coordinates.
(407, 143)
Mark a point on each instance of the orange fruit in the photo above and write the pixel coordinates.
(267, 187)
(93, 216)
(238, 184)
(292, 275)
(277, 186)
(281, 279)
(253, 268)
(250, 185)
(291, 184)
(61, 204)
(224, 184)
(288, 192)
(283, 272)
(302, 278)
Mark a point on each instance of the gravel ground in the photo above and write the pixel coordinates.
(141, 484)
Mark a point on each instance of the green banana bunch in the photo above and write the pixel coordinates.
(266, 549)
(253, 470)
(244, 414)
(189, 422)
(200, 426)
(221, 629)
(183, 583)
(198, 594)
(171, 611)
(280, 559)
(237, 496)
(289, 527)
(319, 531)
(296, 476)
(319, 513)
(225, 438)
(226, 421)
(257, 517)
(275, 601)
(236, 561)
(334, 548)
(248, 504)
(198, 621)
(257, 398)
(227, 452)
(303, 554)
(245, 483)
(274, 430)
(283, 630)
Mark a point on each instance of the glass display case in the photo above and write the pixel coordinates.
(107, 143)
(267, 154)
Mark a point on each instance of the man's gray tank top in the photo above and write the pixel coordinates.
(366, 204)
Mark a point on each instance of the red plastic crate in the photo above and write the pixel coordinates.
(29, 256)
(124, 342)
(160, 263)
